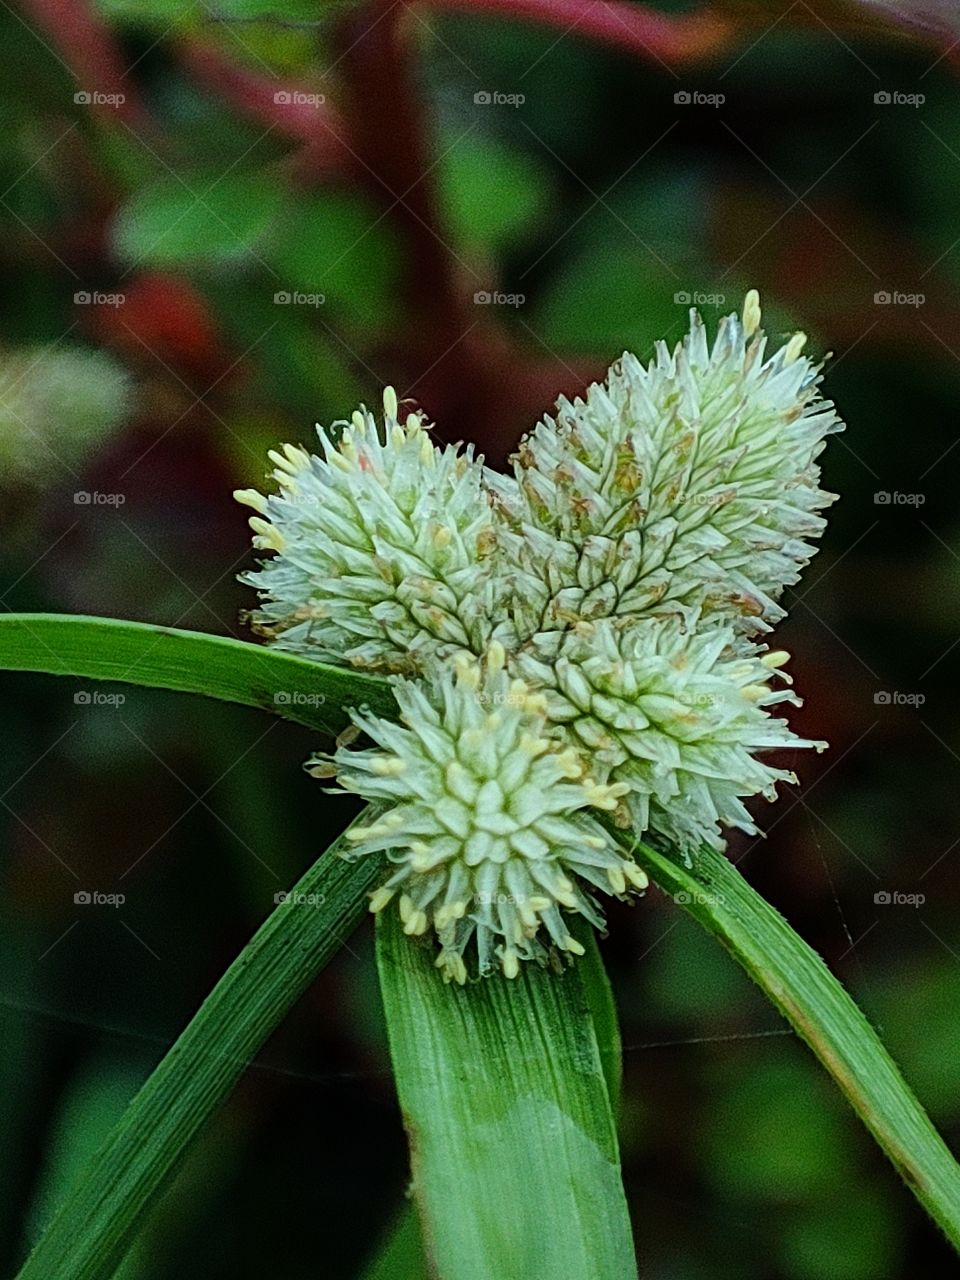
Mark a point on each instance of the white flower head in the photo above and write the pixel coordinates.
(583, 633)
(675, 714)
(491, 834)
(382, 546)
(56, 406)
(691, 482)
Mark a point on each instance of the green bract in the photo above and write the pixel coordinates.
(582, 634)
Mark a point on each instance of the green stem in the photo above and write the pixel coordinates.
(88, 1236)
(799, 983)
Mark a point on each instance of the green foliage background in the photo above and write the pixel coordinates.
(599, 199)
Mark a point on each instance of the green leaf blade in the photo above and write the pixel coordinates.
(94, 1227)
(298, 689)
(800, 985)
(515, 1158)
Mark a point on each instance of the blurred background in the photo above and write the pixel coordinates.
(225, 221)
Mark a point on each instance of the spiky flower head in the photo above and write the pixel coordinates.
(382, 546)
(675, 715)
(690, 482)
(491, 830)
(585, 634)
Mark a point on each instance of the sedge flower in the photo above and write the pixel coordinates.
(584, 637)
(381, 546)
(677, 716)
(490, 829)
(690, 482)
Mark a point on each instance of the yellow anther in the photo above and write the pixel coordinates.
(379, 899)
(636, 876)
(496, 656)
(776, 658)
(618, 881)
(388, 766)
(751, 313)
(251, 498)
(267, 535)
(754, 692)
(794, 347)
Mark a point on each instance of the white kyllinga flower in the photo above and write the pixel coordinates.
(673, 714)
(690, 482)
(383, 546)
(56, 406)
(490, 832)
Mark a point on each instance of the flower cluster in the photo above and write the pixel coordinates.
(689, 483)
(490, 830)
(580, 637)
(384, 546)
